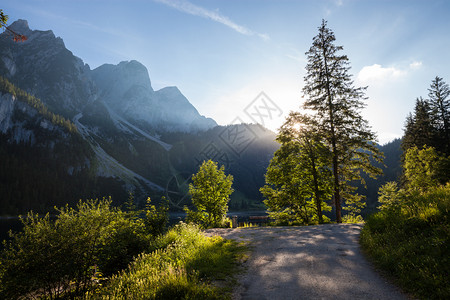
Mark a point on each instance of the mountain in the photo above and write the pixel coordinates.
(126, 88)
(45, 68)
(68, 132)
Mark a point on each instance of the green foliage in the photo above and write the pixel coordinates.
(156, 218)
(389, 197)
(429, 125)
(352, 218)
(85, 253)
(337, 105)
(3, 19)
(298, 177)
(439, 102)
(182, 266)
(3, 24)
(420, 168)
(129, 205)
(409, 236)
(210, 190)
(409, 239)
(68, 255)
(419, 128)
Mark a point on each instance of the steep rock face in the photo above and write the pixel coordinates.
(45, 68)
(126, 88)
(21, 124)
(115, 81)
(17, 129)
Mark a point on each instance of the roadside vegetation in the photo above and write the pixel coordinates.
(409, 238)
(97, 251)
(410, 241)
(183, 264)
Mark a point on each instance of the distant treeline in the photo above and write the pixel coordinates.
(7, 87)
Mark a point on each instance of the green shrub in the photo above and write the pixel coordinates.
(156, 219)
(86, 253)
(63, 257)
(411, 242)
(210, 190)
(182, 265)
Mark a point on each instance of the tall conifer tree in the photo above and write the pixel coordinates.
(419, 129)
(439, 102)
(336, 103)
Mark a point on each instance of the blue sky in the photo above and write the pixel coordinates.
(223, 53)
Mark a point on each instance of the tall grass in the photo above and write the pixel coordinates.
(185, 264)
(99, 252)
(411, 242)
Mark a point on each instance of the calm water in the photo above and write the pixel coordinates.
(7, 224)
(14, 223)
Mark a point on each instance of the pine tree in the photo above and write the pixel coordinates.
(419, 129)
(331, 95)
(439, 103)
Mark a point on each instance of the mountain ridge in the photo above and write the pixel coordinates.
(130, 138)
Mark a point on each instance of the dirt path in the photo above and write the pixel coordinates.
(310, 262)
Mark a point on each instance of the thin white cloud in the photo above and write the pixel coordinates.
(195, 10)
(415, 65)
(376, 72)
(264, 36)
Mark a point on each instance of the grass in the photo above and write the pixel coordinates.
(411, 244)
(185, 264)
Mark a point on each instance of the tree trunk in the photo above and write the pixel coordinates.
(337, 196)
(316, 190)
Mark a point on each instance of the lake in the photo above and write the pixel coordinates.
(14, 224)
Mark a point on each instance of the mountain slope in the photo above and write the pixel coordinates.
(106, 132)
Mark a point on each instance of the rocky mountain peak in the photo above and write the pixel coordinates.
(119, 78)
(44, 67)
(21, 27)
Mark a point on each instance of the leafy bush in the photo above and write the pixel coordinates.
(62, 257)
(409, 239)
(182, 264)
(211, 190)
(69, 257)
(156, 218)
(352, 218)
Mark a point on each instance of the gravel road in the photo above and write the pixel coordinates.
(308, 262)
